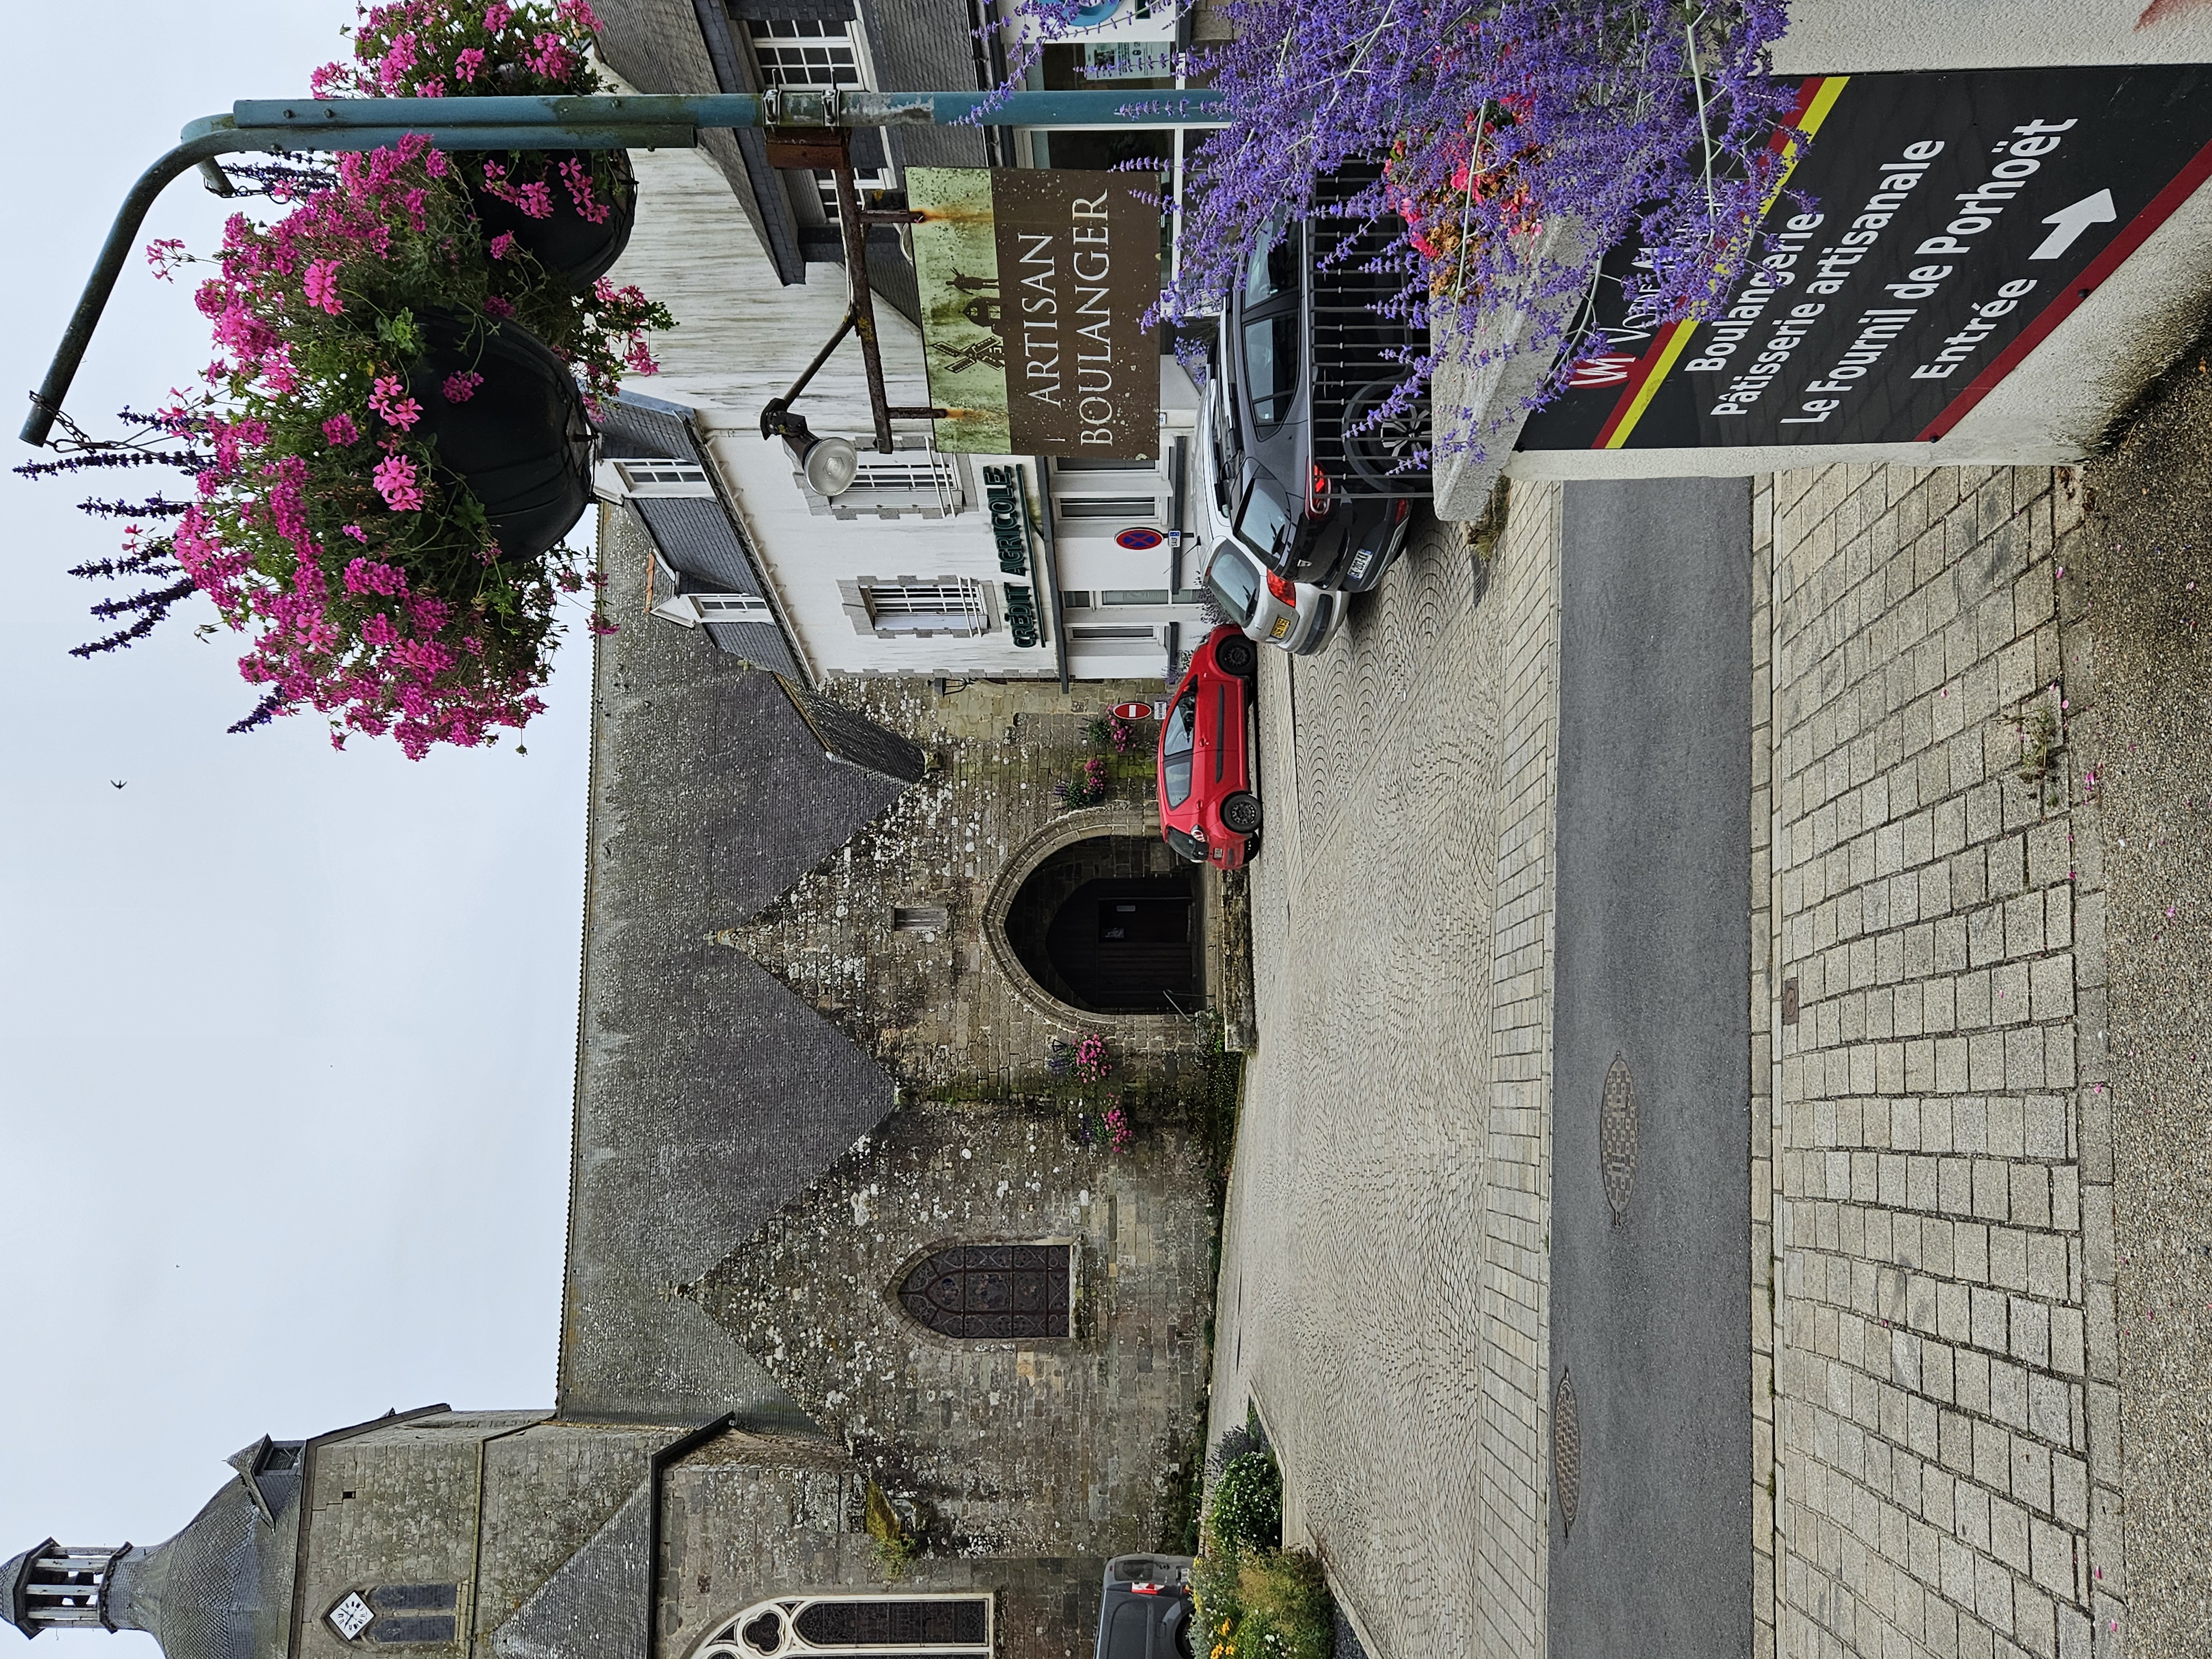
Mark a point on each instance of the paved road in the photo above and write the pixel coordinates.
(1649, 1317)
(1352, 1271)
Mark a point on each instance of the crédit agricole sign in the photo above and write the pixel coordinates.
(1033, 282)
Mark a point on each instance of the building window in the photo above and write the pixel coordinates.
(1112, 633)
(918, 918)
(1133, 596)
(1106, 507)
(805, 52)
(858, 1627)
(663, 478)
(731, 607)
(1075, 599)
(923, 608)
(992, 1290)
(912, 479)
(400, 1615)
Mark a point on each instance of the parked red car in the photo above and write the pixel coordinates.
(1208, 813)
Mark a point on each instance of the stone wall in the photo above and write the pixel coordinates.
(951, 1008)
(1942, 1432)
(1049, 1447)
(744, 1520)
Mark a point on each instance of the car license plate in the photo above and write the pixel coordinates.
(1359, 564)
(1281, 629)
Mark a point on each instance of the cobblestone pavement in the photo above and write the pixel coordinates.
(1379, 1297)
(1944, 1443)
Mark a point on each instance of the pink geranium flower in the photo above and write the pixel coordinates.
(395, 482)
(460, 387)
(321, 283)
(389, 400)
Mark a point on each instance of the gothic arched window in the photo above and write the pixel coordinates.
(857, 1627)
(991, 1291)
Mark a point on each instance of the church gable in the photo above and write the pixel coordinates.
(1011, 1442)
(912, 937)
(707, 1093)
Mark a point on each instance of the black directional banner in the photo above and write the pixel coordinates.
(1935, 229)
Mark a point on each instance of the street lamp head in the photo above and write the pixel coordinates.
(829, 464)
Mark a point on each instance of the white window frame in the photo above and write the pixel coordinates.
(729, 1641)
(916, 478)
(776, 72)
(964, 613)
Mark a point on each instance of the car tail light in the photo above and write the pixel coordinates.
(1317, 493)
(1284, 589)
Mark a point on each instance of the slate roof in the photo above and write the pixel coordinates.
(635, 428)
(696, 535)
(222, 1588)
(707, 1094)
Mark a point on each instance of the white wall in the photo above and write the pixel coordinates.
(741, 339)
(1858, 37)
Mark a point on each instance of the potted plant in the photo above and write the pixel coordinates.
(386, 451)
(571, 209)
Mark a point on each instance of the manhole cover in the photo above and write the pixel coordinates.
(1616, 1138)
(1566, 1451)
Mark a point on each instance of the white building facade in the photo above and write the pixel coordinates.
(932, 565)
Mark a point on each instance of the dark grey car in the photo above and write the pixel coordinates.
(1145, 1611)
(1306, 475)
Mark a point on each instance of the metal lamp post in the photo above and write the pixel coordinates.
(802, 123)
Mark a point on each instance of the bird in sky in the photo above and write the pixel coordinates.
(120, 782)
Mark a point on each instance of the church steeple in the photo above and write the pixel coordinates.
(59, 1587)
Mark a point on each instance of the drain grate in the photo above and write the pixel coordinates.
(1566, 1451)
(1616, 1138)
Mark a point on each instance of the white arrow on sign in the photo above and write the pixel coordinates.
(2096, 209)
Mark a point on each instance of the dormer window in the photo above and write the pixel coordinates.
(658, 478)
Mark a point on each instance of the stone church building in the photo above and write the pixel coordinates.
(827, 1260)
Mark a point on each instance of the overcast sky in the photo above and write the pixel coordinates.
(287, 1036)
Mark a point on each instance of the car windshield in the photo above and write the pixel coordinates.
(1264, 523)
(1271, 367)
(1273, 267)
(1234, 584)
(1176, 740)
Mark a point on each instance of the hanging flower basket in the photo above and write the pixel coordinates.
(572, 210)
(387, 450)
(574, 215)
(520, 442)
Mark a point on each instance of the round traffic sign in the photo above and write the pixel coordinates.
(1132, 711)
(1140, 539)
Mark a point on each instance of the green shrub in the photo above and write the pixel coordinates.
(1262, 1604)
(1286, 1612)
(1245, 1509)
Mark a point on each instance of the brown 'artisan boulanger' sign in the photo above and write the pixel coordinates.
(1033, 285)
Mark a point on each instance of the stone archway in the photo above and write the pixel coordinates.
(1066, 830)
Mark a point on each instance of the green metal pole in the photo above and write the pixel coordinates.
(639, 121)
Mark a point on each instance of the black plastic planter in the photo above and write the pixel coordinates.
(567, 243)
(521, 441)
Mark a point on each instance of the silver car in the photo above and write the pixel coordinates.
(1298, 616)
